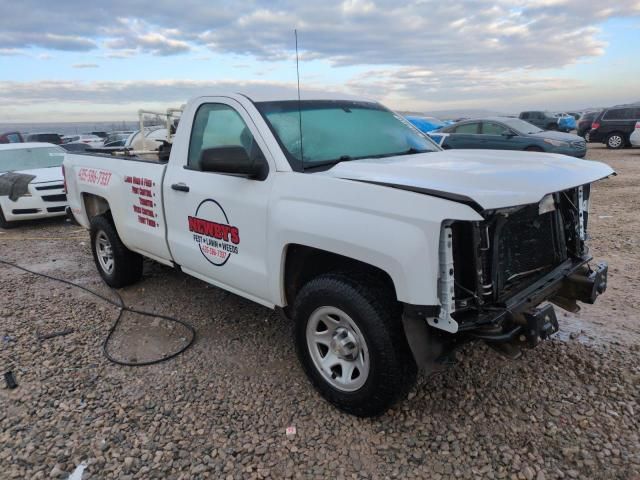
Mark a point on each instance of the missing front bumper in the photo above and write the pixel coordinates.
(520, 322)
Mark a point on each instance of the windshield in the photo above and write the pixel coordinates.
(521, 126)
(29, 158)
(336, 131)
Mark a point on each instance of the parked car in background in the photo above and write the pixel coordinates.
(614, 126)
(11, 137)
(88, 139)
(584, 124)
(541, 119)
(634, 138)
(75, 147)
(507, 133)
(566, 122)
(549, 120)
(44, 195)
(425, 124)
(116, 139)
(54, 138)
(100, 134)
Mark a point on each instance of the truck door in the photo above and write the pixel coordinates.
(217, 221)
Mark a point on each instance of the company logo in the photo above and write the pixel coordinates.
(216, 238)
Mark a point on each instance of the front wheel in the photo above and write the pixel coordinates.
(615, 141)
(118, 266)
(351, 344)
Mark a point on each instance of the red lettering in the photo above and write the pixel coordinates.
(220, 231)
(235, 235)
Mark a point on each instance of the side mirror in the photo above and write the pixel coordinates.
(508, 134)
(233, 160)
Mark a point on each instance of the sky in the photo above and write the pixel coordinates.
(73, 60)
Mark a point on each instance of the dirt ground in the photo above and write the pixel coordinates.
(567, 409)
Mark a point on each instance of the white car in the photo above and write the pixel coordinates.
(635, 136)
(92, 141)
(45, 195)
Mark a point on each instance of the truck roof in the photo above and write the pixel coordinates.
(288, 95)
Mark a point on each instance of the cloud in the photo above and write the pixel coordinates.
(85, 65)
(10, 52)
(491, 33)
(134, 35)
(127, 92)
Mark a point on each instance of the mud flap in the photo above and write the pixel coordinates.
(425, 346)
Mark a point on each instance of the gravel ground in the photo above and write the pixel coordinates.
(568, 409)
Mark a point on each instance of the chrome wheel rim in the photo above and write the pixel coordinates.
(104, 252)
(338, 349)
(587, 136)
(615, 141)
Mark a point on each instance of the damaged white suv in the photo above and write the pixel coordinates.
(385, 251)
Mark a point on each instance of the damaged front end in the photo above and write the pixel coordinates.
(496, 275)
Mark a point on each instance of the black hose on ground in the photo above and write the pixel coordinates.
(122, 309)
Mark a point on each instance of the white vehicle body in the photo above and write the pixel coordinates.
(635, 136)
(46, 197)
(393, 214)
(293, 208)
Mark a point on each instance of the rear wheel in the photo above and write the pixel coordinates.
(118, 266)
(615, 141)
(3, 221)
(350, 342)
(587, 136)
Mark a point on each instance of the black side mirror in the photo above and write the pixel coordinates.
(508, 134)
(234, 160)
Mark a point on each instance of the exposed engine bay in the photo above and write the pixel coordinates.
(497, 274)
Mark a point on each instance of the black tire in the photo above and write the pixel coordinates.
(3, 221)
(533, 148)
(392, 370)
(127, 265)
(616, 141)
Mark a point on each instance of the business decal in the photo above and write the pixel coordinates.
(143, 200)
(215, 236)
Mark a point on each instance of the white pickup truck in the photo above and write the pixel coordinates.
(385, 251)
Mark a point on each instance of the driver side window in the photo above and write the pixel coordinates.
(218, 125)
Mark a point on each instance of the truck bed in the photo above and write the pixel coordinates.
(132, 187)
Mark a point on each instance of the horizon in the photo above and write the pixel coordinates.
(503, 56)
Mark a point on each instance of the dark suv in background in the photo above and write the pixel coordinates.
(584, 124)
(614, 126)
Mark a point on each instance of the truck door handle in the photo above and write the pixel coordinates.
(181, 187)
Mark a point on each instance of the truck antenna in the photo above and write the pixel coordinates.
(295, 32)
